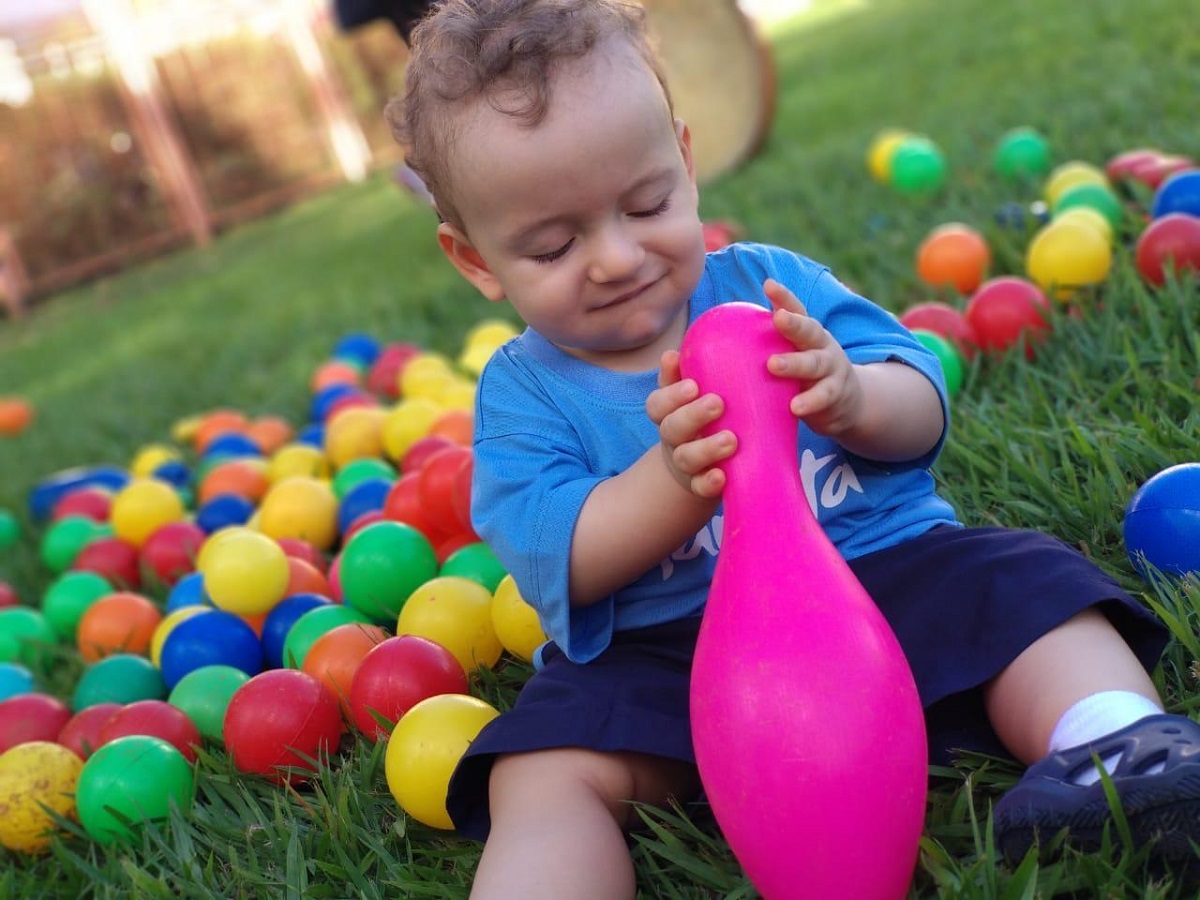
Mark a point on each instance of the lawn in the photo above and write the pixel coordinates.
(1059, 444)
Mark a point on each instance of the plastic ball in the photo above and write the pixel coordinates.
(305, 578)
(516, 622)
(311, 625)
(15, 415)
(360, 348)
(37, 782)
(1171, 243)
(10, 530)
(1065, 256)
(156, 718)
(365, 497)
(115, 559)
(15, 680)
(1089, 216)
(950, 360)
(354, 434)
(217, 422)
(170, 552)
(246, 574)
(142, 507)
(302, 460)
(47, 492)
(1122, 166)
(187, 591)
(8, 596)
(881, 150)
(62, 542)
(424, 749)
(133, 779)
(167, 625)
(279, 720)
(120, 678)
(476, 561)
(406, 423)
(953, 255)
(1162, 522)
(81, 734)
(398, 674)
(1006, 310)
(300, 507)
(90, 503)
(918, 166)
(233, 445)
(335, 656)
(216, 638)
(204, 695)
(31, 717)
(357, 471)
(1178, 194)
(270, 432)
(455, 612)
(1091, 196)
(945, 320)
(68, 597)
(1068, 175)
(25, 636)
(456, 425)
(223, 511)
(1021, 153)
(123, 622)
(382, 565)
(280, 620)
(425, 375)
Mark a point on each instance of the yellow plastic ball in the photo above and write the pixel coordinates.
(355, 433)
(142, 507)
(245, 573)
(425, 375)
(491, 333)
(297, 459)
(424, 749)
(516, 622)
(475, 357)
(406, 423)
(457, 613)
(1088, 216)
(881, 151)
(184, 430)
(164, 628)
(1067, 255)
(150, 457)
(298, 507)
(458, 393)
(35, 778)
(1070, 174)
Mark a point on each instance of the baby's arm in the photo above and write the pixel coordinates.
(631, 521)
(885, 411)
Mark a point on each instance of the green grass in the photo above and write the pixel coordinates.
(1057, 445)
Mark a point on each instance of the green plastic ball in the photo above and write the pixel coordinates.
(948, 356)
(65, 537)
(68, 597)
(357, 471)
(204, 694)
(918, 167)
(310, 626)
(1022, 153)
(477, 562)
(1092, 196)
(10, 529)
(136, 779)
(121, 678)
(25, 636)
(382, 565)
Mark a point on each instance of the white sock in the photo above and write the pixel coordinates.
(1097, 716)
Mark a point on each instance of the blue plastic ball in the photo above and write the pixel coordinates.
(1178, 194)
(222, 511)
(15, 680)
(323, 400)
(232, 445)
(313, 435)
(366, 496)
(174, 472)
(1162, 522)
(217, 638)
(188, 591)
(280, 621)
(357, 347)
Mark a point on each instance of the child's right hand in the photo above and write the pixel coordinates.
(680, 413)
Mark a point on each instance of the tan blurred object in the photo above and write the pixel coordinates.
(14, 285)
(722, 78)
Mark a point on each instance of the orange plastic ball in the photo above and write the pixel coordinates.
(15, 415)
(954, 255)
(245, 477)
(270, 432)
(335, 656)
(334, 372)
(215, 423)
(123, 622)
(305, 578)
(457, 425)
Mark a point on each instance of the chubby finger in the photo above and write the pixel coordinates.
(709, 484)
(807, 365)
(667, 399)
(686, 421)
(782, 298)
(668, 368)
(694, 457)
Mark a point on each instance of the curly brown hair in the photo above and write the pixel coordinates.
(504, 51)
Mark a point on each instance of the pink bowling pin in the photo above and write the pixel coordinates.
(808, 730)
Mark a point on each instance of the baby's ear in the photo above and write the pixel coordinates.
(684, 136)
(463, 255)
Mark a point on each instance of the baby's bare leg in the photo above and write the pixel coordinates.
(558, 822)
(1081, 657)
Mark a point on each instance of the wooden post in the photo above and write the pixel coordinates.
(14, 283)
(117, 23)
(346, 137)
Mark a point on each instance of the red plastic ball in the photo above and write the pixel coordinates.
(170, 552)
(383, 378)
(155, 718)
(397, 675)
(296, 548)
(403, 504)
(90, 502)
(462, 490)
(274, 718)
(368, 518)
(31, 717)
(81, 734)
(435, 485)
(944, 320)
(8, 595)
(1006, 309)
(1125, 164)
(1172, 241)
(113, 558)
(420, 450)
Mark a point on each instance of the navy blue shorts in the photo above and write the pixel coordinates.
(964, 603)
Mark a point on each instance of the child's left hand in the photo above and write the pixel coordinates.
(830, 400)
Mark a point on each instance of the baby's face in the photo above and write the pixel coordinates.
(586, 223)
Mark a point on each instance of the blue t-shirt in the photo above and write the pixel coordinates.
(549, 427)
